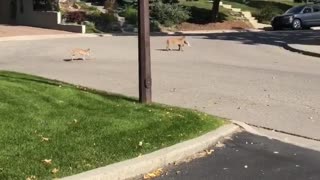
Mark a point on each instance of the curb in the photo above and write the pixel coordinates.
(149, 162)
(307, 53)
(308, 143)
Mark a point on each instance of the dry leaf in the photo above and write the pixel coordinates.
(47, 161)
(219, 145)
(31, 178)
(209, 151)
(44, 139)
(153, 174)
(75, 121)
(55, 171)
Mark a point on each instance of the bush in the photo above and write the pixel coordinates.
(75, 17)
(169, 14)
(102, 22)
(266, 13)
(131, 15)
(155, 26)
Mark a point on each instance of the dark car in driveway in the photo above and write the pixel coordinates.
(298, 17)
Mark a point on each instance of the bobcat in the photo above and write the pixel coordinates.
(80, 52)
(181, 41)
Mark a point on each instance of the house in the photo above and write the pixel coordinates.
(30, 13)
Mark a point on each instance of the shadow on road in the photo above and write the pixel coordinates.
(276, 38)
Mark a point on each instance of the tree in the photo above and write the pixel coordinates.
(215, 10)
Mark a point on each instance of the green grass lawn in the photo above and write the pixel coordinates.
(80, 129)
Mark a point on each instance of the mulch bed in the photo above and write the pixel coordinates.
(234, 25)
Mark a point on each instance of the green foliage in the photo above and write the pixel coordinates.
(169, 14)
(131, 15)
(101, 21)
(266, 13)
(154, 25)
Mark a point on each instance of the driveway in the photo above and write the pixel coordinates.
(244, 76)
(9, 31)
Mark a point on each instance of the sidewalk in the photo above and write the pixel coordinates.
(310, 50)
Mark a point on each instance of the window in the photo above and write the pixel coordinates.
(316, 8)
(307, 10)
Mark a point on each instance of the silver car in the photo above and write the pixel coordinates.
(299, 17)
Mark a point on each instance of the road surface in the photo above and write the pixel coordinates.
(243, 76)
(250, 157)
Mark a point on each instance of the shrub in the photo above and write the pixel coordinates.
(102, 22)
(266, 13)
(131, 15)
(169, 14)
(75, 17)
(154, 26)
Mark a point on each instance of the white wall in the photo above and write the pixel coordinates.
(50, 20)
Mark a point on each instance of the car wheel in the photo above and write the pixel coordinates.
(296, 24)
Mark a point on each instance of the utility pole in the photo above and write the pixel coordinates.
(145, 81)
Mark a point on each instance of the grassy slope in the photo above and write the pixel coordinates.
(85, 130)
(201, 11)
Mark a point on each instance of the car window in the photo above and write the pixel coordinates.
(295, 10)
(316, 8)
(307, 10)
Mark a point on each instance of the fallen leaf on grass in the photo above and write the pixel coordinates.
(153, 174)
(55, 171)
(31, 178)
(45, 139)
(47, 161)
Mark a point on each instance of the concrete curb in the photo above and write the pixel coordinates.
(280, 136)
(300, 51)
(149, 162)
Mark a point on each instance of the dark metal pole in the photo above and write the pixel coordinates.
(145, 81)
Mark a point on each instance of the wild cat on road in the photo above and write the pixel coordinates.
(180, 41)
(80, 52)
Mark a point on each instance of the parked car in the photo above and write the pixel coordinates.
(298, 17)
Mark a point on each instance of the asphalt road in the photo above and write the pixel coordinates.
(249, 157)
(243, 76)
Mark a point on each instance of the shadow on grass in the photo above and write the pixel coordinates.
(15, 76)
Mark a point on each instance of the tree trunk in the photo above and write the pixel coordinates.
(215, 10)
